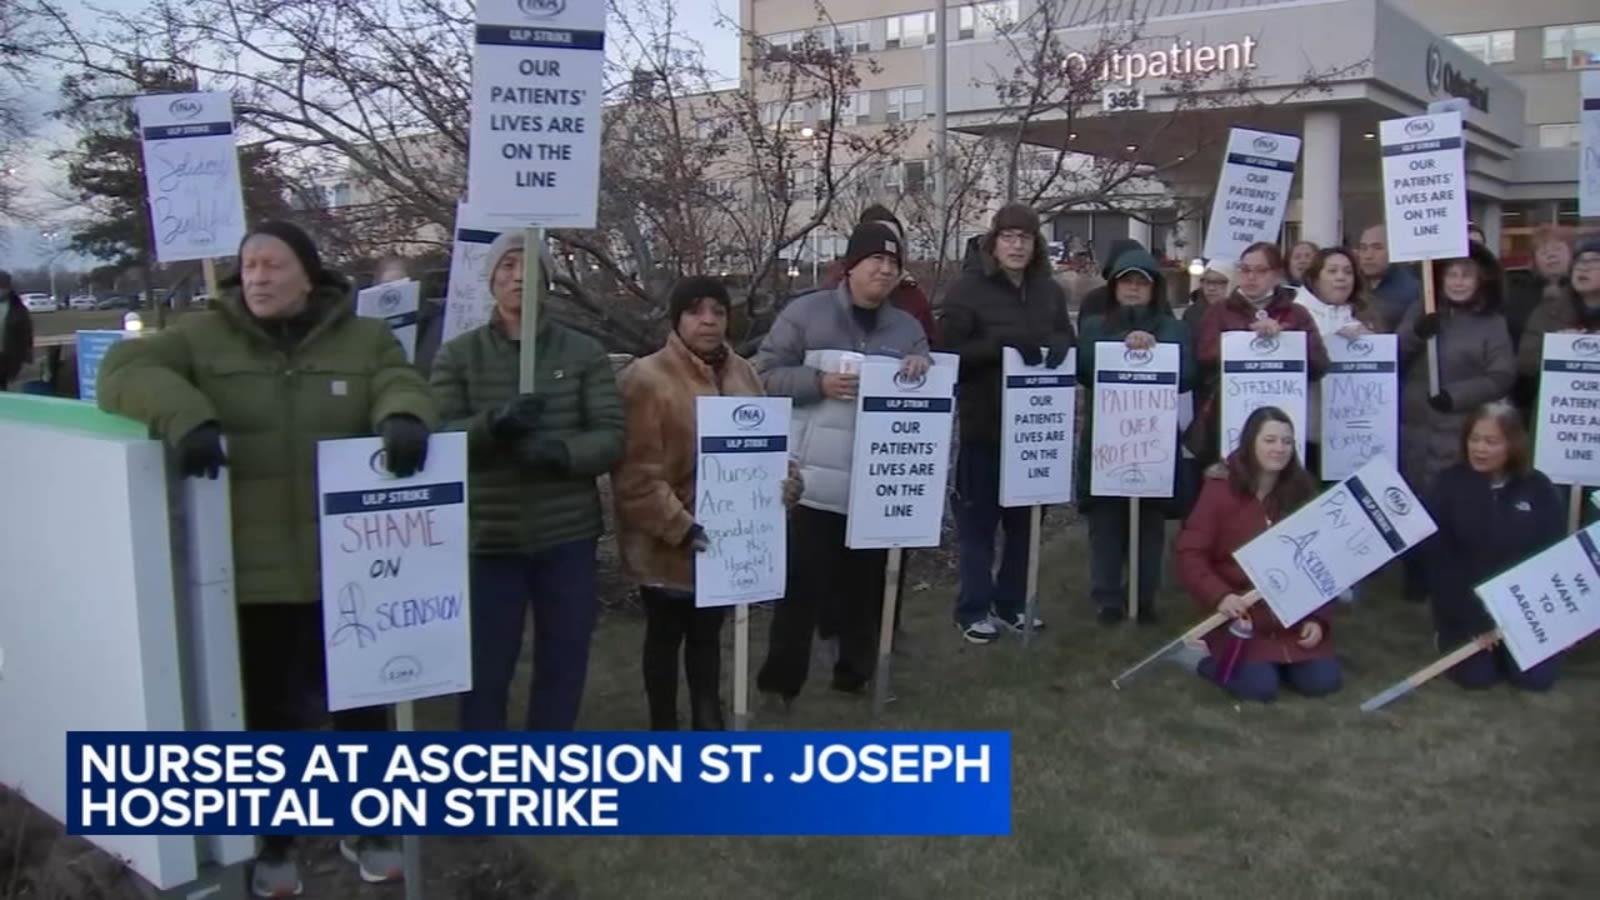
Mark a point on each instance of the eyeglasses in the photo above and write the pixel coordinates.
(1214, 282)
(1014, 237)
(1256, 270)
(1587, 261)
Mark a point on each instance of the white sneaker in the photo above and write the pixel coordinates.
(979, 632)
(1019, 622)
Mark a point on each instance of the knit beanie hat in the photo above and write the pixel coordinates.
(1017, 216)
(506, 242)
(304, 248)
(688, 293)
(877, 212)
(870, 239)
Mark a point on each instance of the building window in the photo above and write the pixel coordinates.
(856, 36)
(783, 41)
(783, 113)
(985, 19)
(855, 108)
(1572, 46)
(905, 104)
(916, 176)
(911, 30)
(1560, 136)
(1490, 46)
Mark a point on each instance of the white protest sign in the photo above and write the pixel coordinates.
(741, 462)
(1252, 192)
(1589, 152)
(1259, 372)
(396, 303)
(537, 86)
(467, 303)
(901, 456)
(1334, 541)
(1360, 403)
(1548, 602)
(1038, 413)
(1424, 187)
(191, 171)
(1567, 430)
(395, 610)
(1135, 434)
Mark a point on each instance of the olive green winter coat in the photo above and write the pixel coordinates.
(518, 503)
(274, 400)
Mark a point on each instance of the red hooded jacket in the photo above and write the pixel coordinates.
(907, 296)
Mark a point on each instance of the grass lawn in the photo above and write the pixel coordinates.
(1167, 788)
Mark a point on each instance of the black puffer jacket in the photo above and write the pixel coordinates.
(16, 343)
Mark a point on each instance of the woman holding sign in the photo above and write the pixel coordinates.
(1337, 299)
(1493, 511)
(653, 493)
(1261, 483)
(1140, 319)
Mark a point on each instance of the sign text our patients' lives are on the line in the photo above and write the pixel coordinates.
(537, 81)
(1425, 189)
(1567, 426)
(1252, 191)
(1038, 415)
(901, 456)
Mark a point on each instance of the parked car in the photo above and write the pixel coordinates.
(82, 302)
(119, 301)
(38, 302)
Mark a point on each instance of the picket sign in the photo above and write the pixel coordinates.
(1252, 191)
(1589, 153)
(191, 171)
(467, 302)
(1567, 427)
(1360, 403)
(1038, 410)
(1204, 627)
(1136, 418)
(1259, 372)
(901, 458)
(1334, 541)
(397, 304)
(1548, 602)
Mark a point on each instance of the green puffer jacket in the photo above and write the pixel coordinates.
(346, 375)
(516, 505)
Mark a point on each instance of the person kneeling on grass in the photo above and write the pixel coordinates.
(1259, 484)
(1493, 511)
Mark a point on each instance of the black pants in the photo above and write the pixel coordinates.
(672, 622)
(284, 675)
(831, 583)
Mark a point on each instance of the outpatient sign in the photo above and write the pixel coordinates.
(1252, 192)
(1425, 188)
(1549, 602)
(1039, 412)
(1567, 430)
(901, 457)
(1360, 403)
(537, 85)
(1135, 437)
(191, 171)
(741, 462)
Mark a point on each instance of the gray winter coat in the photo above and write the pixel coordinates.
(808, 338)
(1476, 366)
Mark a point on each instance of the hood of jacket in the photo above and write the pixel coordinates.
(1115, 251)
(1491, 279)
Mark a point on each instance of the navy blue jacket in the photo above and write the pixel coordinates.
(1482, 532)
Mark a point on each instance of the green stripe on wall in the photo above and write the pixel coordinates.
(65, 414)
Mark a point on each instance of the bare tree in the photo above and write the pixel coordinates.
(18, 38)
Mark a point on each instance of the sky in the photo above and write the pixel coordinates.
(24, 248)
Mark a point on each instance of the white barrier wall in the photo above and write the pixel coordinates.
(90, 618)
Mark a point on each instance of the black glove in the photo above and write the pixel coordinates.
(1442, 402)
(1057, 354)
(200, 452)
(1426, 326)
(516, 417)
(696, 539)
(547, 453)
(1025, 345)
(405, 444)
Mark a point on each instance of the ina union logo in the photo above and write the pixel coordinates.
(1586, 346)
(1419, 128)
(389, 301)
(747, 416)
(1265, 144)
(909, 382)
(1395, 499)
(542, 9)
(184, 107)
(1359, 347)
(378, 462)
(1137, 357)
(1264, 346)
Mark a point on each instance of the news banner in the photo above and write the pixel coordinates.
(750, 783)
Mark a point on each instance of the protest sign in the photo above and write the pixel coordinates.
(741, 462)
(1567, 427)
(396, 303)
(537, 86)
(1425, 187)
(1360, 403)
(1259, 372)
(1548, 602)
(1252, 192)
(1334, 541)
(92, 349)
(395, 607)
(901, 456)
(467, 303)
(1135, 433)
(191, 171)
(1038, 413)
(1589, 152)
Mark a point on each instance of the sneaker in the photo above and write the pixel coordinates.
(1018, 622)
(1189, 655)
(273, 875)
(979, 632)
(378, 858)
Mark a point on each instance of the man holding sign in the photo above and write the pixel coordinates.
(813, 355)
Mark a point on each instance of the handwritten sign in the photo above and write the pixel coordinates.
(741, 462)
(1334, 541)
(1259, 372)
(1589, 152)
(1360, 403)
(191, 171)
(536, 93)
(92, 349)
(901, 456)
(1425, 187)
(1252, 192)
(1135, 420)
(396, 303)
(1548, 602)
(1038, 411)
(1567, 433)
(467, 303)
(395, 607)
